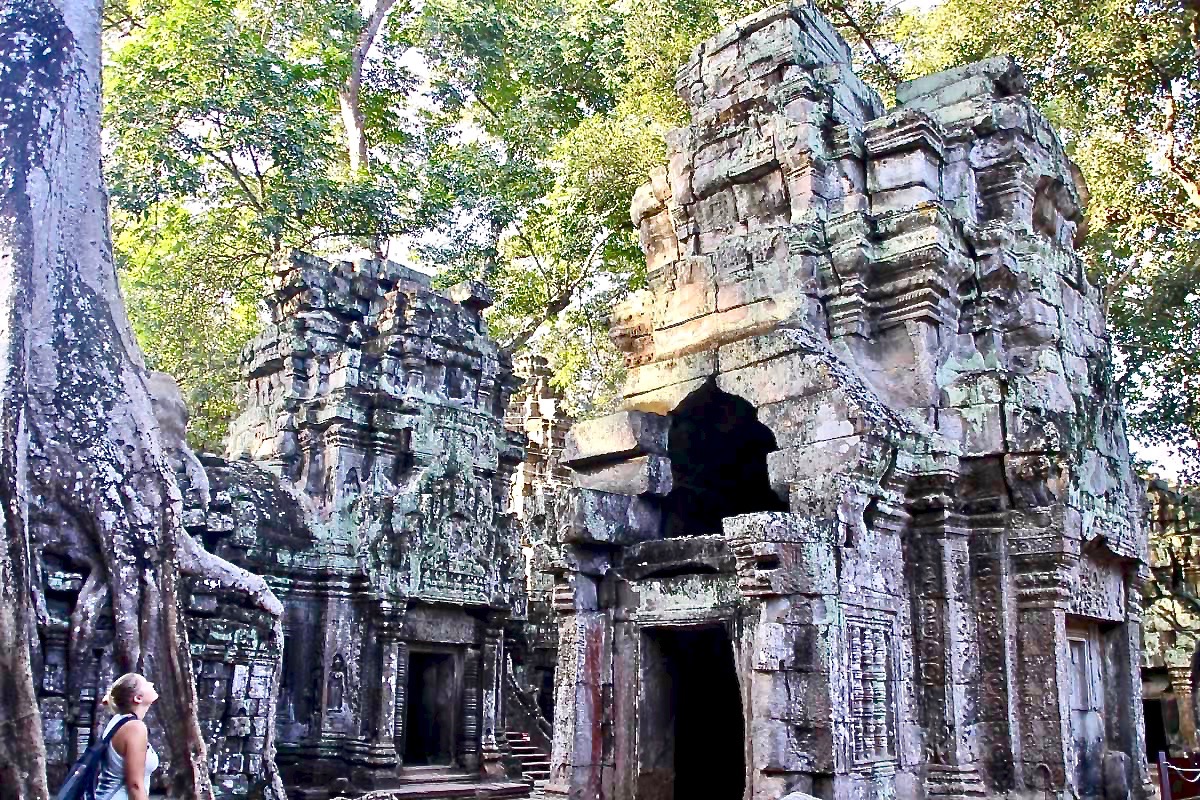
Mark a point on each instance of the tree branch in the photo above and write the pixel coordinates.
(866, 40)
(350, 93)
(1190, 183)
(560, 301)
(1113, 286)
(194, 560)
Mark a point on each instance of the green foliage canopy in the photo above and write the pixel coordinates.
(223, 149)
(571, 101)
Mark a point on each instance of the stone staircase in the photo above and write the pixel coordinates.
(445, 783)
(535, 764)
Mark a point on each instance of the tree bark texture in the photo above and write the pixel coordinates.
(83, 473)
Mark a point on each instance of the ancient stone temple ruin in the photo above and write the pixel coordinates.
(1171, 665)
(866, 525)
(536, 412)
(369, 479)
(379, 404)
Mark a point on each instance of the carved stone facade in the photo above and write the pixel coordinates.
(377, 406)
(866, 526)
(1171, 667)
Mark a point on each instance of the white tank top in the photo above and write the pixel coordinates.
(111, 785)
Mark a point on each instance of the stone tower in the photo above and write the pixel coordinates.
(1171, 664)
(536, 412)
(866, 525)
(369, 480)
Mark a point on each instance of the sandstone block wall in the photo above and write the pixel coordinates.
(1170, 668)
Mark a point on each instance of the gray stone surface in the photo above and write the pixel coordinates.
(378, 404)
(1172, 628)
(614, 438)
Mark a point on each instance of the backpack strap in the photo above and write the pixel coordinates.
(108, 736)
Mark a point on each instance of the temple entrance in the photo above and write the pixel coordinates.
(1086, 686)
(430, 707)
(1158, 739)
(718, 452)
(692, 741)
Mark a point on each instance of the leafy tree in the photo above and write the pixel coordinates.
(1121, 80)
(225, 148)
(192, 323)
(567, 103)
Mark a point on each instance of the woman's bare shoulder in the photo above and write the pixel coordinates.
(132, 732)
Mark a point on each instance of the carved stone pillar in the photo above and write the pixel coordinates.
(491, 673)
(944, 635)
(576, 762)
(1181, 685)
(786, 571)
(401, 704)
(1042, 667)
(468, 743)
(993, 598)
(1135, 731)
(382, 751)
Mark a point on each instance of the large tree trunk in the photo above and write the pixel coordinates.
(83, 473)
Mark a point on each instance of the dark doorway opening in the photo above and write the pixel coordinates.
(545, 698)
(718, 452)
(1156, 730)
(693, 731)
(429, 712)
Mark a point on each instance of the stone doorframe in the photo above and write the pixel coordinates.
(651, 715)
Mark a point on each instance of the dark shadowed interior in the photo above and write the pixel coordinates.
(429, 721)
(701, 731)
(718, 452)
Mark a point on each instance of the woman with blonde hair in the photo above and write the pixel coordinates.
(129, 759)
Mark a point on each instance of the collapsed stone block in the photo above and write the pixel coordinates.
(615, 437)
(590, 516)
(640, 475)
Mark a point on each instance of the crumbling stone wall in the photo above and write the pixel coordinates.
(368, 477)
(536, 413)
(1172, 632)
(371, 479)
(870, 433)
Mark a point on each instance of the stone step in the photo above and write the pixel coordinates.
(535, 762)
